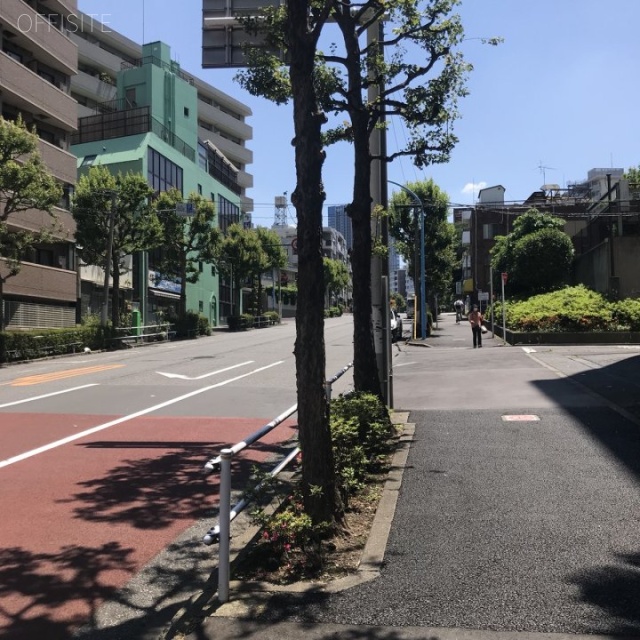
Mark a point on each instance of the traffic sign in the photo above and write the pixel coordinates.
(185, 209)
(504, 277)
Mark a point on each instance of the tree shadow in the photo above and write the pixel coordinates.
(34, 588)
(153, 492)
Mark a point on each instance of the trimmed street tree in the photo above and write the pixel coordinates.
(336, 277)
(440, 239)
(25, 184)
(423, 89)
(274, 256)
(103, 200)
(537, 254)
(187, 240)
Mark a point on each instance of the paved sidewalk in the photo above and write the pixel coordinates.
(512, 509)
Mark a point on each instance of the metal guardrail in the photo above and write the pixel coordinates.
(146, 333)
(221, 533)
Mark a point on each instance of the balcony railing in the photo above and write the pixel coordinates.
(128, 122)
(158, 63)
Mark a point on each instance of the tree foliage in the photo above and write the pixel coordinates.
(537, 254)
(101, 196)
(440, 239)
(415, 73)
(188, 241)
(245, 254)
(336, 277)
(25, 184)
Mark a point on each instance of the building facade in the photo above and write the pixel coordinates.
(152, 127)
(341, 222)
(37, 61)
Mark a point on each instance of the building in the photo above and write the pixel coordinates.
(602, 218)
(152, 126)
(37, 61)
(340, 221)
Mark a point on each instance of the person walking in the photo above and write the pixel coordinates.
(475, 320)
(459, 307)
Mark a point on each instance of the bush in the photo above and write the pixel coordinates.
(241, 322)
(273, 317)
(190, 325)
(572, 309)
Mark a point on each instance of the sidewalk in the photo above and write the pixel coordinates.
(512, 508)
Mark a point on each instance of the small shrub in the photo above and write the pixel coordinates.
(241, 322)
(626, 314)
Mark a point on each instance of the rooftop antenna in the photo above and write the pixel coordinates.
(543, 171)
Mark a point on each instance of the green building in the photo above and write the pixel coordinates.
(152, 128)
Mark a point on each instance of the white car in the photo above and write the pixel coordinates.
(395, 322)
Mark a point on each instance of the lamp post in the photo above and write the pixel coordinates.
(423, 306)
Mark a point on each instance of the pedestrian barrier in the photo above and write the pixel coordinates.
(221, 533)
(133, 336)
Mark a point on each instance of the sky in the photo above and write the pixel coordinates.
(557, 98)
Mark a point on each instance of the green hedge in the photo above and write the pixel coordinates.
(571, 309)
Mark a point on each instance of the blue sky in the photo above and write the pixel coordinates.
(557, 98)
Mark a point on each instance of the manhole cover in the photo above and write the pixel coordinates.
(520, 418)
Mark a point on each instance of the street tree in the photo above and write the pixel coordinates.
(336, 278)
(25, 185)
(296, 28)
(187, 240)
(104, 201)
(245, 254)
(274, 256)
(537, 254)
(371, 78)
(440, 238)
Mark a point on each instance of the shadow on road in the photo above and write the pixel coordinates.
(614, 587)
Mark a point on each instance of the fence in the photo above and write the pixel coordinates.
(221, 533)
(133, 336)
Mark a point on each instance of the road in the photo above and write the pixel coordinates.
(101, 466)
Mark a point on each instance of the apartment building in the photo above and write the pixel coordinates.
(151, 127)
(221, 119)
(38, 59)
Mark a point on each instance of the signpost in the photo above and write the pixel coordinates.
(504, 326)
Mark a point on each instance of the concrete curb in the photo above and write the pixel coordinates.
(248, 597)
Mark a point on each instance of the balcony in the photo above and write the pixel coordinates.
(61, 163)
(96, 56)
(222, 120)
(93, 87)
(234, 152)
(29, 92)
(38, 281)
(48, 43)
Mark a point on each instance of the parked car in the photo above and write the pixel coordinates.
(395, 322)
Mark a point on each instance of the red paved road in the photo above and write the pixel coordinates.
(80, 520)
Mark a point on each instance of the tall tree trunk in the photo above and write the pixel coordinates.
(115, 297)
(318, 469)
(3, 345)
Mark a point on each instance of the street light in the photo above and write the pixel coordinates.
(423, 306)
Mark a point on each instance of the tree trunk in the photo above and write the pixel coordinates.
(318, 469)
(115, 297)
(3, 346)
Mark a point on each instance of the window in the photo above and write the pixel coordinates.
(87, 161)
(130, 96)
(162, 174)
(228, 213)
(490, 231)
(186, 112)
(200, 189)
(200, 306)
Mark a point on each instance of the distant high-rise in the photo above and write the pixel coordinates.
(340, 221)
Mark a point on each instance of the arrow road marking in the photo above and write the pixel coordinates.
(204, 375)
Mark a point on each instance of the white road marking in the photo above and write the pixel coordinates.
(204, 375)
(46, 395)
(528, 350)
(137, 414)
(404, 364)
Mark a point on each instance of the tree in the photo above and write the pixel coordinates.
(336, 277)
(274, 256)
(439, 236)
(245, 254)
(103, 200)
(344, 84)
(25, 184)
(537, 254)
(188, 241)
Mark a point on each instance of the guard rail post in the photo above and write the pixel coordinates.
(225, 525)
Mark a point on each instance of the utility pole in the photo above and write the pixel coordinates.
(107, 268)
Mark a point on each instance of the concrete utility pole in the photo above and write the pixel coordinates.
(107, 268)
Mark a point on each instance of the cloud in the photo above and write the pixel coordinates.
(473, 187)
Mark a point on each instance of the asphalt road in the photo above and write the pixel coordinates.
(103, 495)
